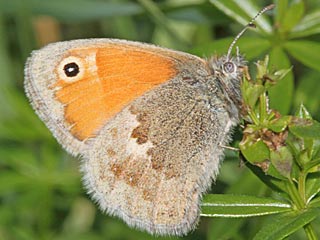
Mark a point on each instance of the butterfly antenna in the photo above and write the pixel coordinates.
(249, 25)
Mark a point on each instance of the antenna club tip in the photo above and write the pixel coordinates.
(271, 6)
(250, 24)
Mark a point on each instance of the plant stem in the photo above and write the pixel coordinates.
(308, 229)
(302, 186)
(254, 117)
(298, 197)
(295, 195)
(263, 107)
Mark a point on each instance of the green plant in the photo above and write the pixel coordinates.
(40, 189)
(284, 152)
(281, 150)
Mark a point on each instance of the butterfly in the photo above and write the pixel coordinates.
(148, 122)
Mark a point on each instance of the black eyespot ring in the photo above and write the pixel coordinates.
(71, 69)
(229, 67)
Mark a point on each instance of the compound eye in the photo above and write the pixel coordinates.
(229, 67)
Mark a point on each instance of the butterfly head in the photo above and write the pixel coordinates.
(228, 72)
(228, 69)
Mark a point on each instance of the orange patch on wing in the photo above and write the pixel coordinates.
(120, 74)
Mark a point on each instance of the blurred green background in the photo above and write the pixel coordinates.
(41, 195)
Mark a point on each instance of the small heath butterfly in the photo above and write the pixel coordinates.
(148, 122)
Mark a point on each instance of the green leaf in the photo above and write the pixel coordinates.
(312, 185)
(305, 128)
(255, 151)
(272, 179)
(315, 149)
(245, 184)
(225, 228)
(282, 159)
(274, 172)
(76, 10)
(251, 47)
(309, 25)
(304, 93)
(302, 112)
(243, 12)
(251, 93)
(228, 205)
(281, 94)
(166, 31)
(313, 165)
(281, 9)
(262, 69)
(279, 124)
(285, 224)
(292, 16)
(315, 203)
(306, 52)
